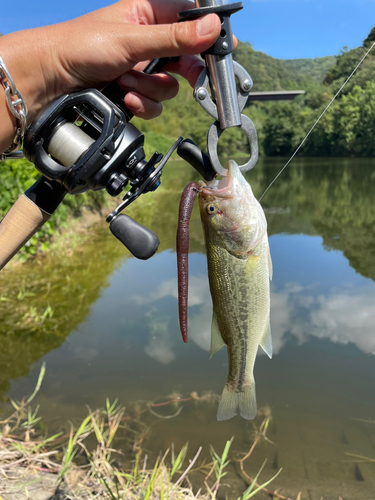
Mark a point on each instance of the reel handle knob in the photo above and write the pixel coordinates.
(140, 241)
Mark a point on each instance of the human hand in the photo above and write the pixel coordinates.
(101, 46)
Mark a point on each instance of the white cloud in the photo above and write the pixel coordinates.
(160, 349)
(160, 344)
(198, 291)
(345, 315)
(280, 320)
(344, 318)
(200, 326)
(166, 288)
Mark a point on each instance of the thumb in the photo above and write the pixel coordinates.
(163, 40)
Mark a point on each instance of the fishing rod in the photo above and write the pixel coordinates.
(84, 141)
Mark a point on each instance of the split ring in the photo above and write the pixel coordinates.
(213, 137)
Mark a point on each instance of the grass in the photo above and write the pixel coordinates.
(86, 462)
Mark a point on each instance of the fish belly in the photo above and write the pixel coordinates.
(241, 302)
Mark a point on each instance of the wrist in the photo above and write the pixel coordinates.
(26, 55)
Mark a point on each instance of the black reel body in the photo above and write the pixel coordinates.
(83, 142)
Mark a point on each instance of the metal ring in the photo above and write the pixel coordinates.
(201, 94)
(17, 107)
(213, 137)
(5, 75)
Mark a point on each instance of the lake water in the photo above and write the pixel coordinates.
(114, 331)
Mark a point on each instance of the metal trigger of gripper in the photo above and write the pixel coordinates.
(220, 74)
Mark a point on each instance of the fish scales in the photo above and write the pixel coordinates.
(239, 269)
(236, 298)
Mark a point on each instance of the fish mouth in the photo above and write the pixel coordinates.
(219, 188)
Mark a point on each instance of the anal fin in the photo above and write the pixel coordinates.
(217, 341)
(269, 262)
(266, 342)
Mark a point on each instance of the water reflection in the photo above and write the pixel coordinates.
(199, 305)
(114, 331)
(342, 313)
(315, 293)
(160, 341)
(341, 317)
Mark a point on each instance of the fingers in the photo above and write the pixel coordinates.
(142, 106)
(188, 38)
(158, 87)
(189, 67)
(145, 92)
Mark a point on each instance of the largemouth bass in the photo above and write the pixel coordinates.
(239, 271)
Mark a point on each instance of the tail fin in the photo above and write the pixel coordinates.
(232, 403)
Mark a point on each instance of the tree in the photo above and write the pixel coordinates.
(370, 39)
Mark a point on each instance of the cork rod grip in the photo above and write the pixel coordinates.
(18, 226)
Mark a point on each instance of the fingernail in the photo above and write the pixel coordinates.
(128, 81)
(205, 25)
(133, 101)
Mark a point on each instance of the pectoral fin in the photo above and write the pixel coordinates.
(217, 341)
(266, 342)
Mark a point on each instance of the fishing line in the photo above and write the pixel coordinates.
(317, 121)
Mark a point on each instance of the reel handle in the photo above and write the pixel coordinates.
(95, 170)
(140, 241)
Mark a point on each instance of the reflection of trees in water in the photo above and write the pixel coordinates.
(65, 285)
(332, 198)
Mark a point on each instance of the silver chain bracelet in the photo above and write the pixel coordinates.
(18, 107)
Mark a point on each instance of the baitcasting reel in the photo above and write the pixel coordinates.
(83, 141)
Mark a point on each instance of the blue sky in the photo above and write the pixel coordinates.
(281, 28)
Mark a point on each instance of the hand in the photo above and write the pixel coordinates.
(103, 45)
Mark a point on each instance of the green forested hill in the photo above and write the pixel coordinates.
(314, 69)
(183, 116)
(269, 73)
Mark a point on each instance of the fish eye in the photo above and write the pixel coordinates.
(211, 209)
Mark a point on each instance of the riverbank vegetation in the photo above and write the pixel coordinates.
(105, 457)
